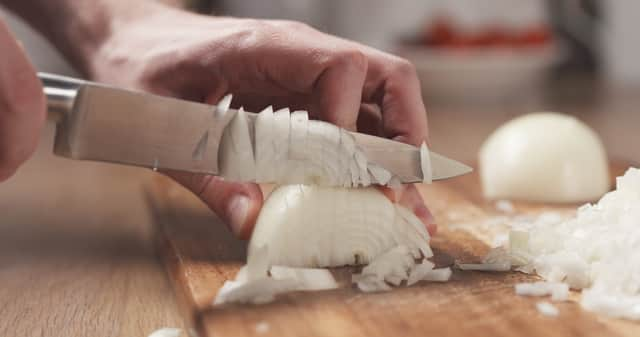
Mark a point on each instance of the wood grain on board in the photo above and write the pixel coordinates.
(200, 254)
(76, 252)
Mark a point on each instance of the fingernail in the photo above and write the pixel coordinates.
(424, 214)
(237, 210)
(432, 228)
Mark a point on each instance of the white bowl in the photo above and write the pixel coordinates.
(483, 73)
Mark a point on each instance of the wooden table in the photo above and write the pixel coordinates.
(76, 257)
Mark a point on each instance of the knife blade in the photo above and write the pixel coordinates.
(103, 123)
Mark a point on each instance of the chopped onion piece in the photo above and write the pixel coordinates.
(419, 271)
(547, 309)
(166, 332)
(236, 151)
(380, 175)
(371, 284)
(438, 275)
(223, 106)
(425, 164)
(257, 265)
(299, 129)
(257, 291)
(505, 206)
(308, 278)
(391, 265)
(265, 130)
(558, 291)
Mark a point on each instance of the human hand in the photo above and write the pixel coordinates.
(279, 63)
(22, 105)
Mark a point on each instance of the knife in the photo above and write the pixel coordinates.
(103, 123)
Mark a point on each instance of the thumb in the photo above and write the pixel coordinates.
(237, 204)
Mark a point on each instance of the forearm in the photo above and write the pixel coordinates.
(78, 28)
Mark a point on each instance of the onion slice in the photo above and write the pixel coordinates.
(339, 226)
(166, 332)
(236, 150)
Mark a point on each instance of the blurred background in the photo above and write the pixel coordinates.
(480, 62)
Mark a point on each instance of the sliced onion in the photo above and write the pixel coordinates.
(265, 130)
(166, 332)
(236, 150)
(425, 162)
(308, 278)
(315, 226)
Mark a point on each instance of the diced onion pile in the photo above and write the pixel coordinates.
(598, 250)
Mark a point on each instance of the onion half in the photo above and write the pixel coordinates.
(545, 157)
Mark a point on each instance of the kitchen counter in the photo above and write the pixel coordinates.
(76, 252)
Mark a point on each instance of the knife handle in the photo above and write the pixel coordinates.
(60, 92)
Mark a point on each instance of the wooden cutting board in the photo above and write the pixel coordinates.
(200, 254)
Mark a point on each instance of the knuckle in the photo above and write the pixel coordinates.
(352, 58)
(293, 25)
(403, 68)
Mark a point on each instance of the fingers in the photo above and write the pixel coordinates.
(237, 204)
(370, 119)
(22, 106)
(409, 197)
(339, 89)
(393, 84)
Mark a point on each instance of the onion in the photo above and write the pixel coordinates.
(392, 267)
(327, 222)
(166, 332)
(223, 106)
(419, 271)
(257, 291)
(437, 275)
(265, 149)
(598, 250)
(546, 157)
(547, 309)
(316, 226)
(558, 291)
(308, 278)
(425, 162)
(288, 148)
(236, 152)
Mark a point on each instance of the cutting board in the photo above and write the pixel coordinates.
(200, 254)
